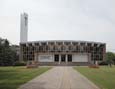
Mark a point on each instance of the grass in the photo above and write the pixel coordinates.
(13, 77)
(104, 77)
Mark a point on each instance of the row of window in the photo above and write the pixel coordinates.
(69, 48)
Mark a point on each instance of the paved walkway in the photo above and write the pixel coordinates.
(60, 78)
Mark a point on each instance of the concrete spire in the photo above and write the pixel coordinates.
(24, 28)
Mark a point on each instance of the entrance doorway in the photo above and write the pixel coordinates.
(56, 58)
(69, 57)
(63, 58)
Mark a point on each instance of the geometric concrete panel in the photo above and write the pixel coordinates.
(45, 58)
(80, 58)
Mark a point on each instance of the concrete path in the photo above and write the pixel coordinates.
(60, 78)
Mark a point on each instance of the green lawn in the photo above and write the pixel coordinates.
(104, 77)
(13, 77)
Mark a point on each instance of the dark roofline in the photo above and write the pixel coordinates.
(61, 41)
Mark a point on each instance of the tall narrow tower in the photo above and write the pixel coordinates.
(24, 28)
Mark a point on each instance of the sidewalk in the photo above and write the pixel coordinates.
(60, 78)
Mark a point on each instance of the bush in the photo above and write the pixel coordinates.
(20, 64)
(103, 63)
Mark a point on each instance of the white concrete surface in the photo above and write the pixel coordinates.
(24, 28)
(80, 58)
(46, 58)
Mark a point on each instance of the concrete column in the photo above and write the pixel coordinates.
(35, 57)
(53, 57)
(66, 59)
(59, 59)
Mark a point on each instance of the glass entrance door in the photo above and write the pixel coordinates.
(56, 58)
(63, 58)
(69, 58)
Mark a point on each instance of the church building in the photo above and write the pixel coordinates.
(59, 52)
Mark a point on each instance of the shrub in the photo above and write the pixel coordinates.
(20, 64)
(103, 63)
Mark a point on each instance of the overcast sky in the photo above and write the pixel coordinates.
(87, 20)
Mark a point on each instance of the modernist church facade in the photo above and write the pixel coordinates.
(57, 52)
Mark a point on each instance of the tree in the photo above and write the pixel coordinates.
(110, 57)
(7, 55)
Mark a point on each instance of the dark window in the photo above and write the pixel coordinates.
(63, 58)
(56, 57)
(69, 58)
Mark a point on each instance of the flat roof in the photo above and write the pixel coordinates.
(61, 41)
